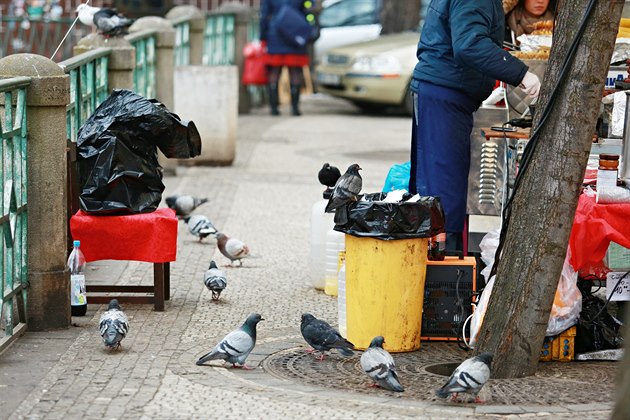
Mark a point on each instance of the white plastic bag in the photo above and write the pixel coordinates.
(567, 303)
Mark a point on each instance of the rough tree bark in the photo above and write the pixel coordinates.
(622, 407)
(544, 206)
(400, 15)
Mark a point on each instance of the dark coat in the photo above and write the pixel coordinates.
(460, 48)
(268, 30)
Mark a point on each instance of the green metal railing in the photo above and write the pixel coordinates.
(13, 219)
(144, 79)
(88, 86)
(39, 36)
(182, 41)
(219, 40)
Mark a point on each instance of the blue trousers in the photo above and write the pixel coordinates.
(440, 149)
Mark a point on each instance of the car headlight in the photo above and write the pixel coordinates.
(382, 64)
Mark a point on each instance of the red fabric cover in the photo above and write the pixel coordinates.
(289, 60)
(150, 237)
(594, 226)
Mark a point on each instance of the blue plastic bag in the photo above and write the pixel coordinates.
(398, 177)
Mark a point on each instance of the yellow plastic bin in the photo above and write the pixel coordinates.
(385, 291)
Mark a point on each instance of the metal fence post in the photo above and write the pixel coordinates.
(196, 27)
(46, 99)
(122, 59)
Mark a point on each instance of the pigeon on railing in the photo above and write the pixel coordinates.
(106, 21)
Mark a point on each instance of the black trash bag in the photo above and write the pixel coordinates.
(117, 158)
(596, 328)
(372, 218)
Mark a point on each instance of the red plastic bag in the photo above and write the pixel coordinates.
(255, 66)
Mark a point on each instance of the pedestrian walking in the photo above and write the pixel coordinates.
(286, 27)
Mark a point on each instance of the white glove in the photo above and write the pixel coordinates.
(530, 85)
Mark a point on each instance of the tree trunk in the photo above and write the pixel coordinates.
(622, 407)
(544, 206)
(400, 15)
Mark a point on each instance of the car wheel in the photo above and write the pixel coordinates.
(370, 108)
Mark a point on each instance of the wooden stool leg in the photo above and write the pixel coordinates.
(167, 281)
(158, 286)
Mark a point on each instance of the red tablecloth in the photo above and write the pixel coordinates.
(150, 237)
(594, 227)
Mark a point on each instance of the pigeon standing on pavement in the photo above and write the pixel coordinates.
(321, 336)
(346, 190)
(200, 226)
(232, 248)
(468, 377)
(215, 280)
(107, 21)
(236, 346)
(113, 325)
(328, 175)
(184, 204)
(379, 365)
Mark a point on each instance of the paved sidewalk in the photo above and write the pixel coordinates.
(264, 199)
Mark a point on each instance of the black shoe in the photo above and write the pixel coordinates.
(272, 90)
(295, 100)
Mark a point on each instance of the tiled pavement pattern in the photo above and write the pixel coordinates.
(264, 198)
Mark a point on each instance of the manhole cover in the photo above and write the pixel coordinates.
(424, 371)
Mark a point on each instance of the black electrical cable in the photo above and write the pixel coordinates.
(609, 297)
(533, 140)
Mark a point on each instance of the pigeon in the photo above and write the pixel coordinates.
(321, 336)
(236, 346)
(113, 325)
(469, 377)
(200, 226)
(379, 365)
(107, 21)
(328, 175)
(232, 248)
(346, 190)
(184, 204)
(215, 280)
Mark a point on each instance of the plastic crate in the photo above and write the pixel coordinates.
(559, 348)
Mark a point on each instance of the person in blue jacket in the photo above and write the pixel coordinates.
(282, 50)
(459, 59)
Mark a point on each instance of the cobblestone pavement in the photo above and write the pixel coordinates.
(264, 198)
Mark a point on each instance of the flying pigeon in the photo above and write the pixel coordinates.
(236, 346)
(321, 336)
(215, 280)
(107, 21)
(232, 248)
(113, 325)
(200, 226)
(346, 190)
(469, 377)
(328, 175)
(379, 365)
(184, 204)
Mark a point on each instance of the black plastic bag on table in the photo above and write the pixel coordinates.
(371, 217)
(117, 157)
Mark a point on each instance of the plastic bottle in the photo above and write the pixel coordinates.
(76, 265)
(341, 300)
(607, 172)
(335, 242)
(437, 247)
(321, 223)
